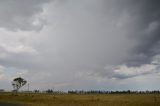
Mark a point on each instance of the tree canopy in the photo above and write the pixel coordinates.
(17, 83)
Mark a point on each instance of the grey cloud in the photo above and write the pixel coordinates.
(21, 14)
(142, 20)
(146, 31)
(86, 40)
(103, 33)
(139, 23)
(122, 72)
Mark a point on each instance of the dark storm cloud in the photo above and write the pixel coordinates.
(86, 43)
(146, 31)
(143, 26)
(21, 14)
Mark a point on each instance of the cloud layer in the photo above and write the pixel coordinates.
(22, 15)
(87, 44)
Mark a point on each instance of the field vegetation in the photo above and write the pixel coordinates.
(44, 99)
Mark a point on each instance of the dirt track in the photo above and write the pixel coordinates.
(7, 104)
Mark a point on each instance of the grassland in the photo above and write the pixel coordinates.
(82, 99)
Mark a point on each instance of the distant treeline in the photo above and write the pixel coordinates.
(102, 92)
(91, 92)
(49, 91)
(112, 92)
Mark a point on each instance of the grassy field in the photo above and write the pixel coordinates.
(82, 99)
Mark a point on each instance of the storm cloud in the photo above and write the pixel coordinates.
(21, 14)
(87, 44)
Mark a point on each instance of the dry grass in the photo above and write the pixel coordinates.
(82, 99)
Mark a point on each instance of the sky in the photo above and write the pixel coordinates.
(80, 44)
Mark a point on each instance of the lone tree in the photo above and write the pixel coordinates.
(17, 83)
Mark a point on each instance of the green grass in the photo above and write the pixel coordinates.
(82, 99)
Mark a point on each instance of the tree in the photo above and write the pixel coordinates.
(17, 83)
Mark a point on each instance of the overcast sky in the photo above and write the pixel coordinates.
(80, 44)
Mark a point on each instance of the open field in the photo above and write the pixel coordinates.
(82, 99)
